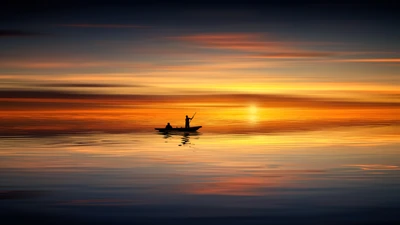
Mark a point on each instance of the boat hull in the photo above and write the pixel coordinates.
(190, 129)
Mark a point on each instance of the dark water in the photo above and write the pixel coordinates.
(342, 176)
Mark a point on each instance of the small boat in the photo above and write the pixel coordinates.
(179, 129)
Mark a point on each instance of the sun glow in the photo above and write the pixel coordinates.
(253, 114)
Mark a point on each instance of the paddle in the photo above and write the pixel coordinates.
(193, 116)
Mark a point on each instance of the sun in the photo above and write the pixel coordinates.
(253, 114)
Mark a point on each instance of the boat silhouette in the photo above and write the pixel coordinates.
(188, 129)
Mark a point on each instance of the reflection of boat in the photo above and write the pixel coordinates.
(184, 136)
(179, 129)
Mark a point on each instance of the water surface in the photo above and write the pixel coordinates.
(347, 175)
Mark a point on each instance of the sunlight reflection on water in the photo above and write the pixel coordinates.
(185, 175)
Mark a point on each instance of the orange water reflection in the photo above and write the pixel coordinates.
(213, 164)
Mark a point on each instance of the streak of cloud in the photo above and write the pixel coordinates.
(86, 85)
(234, 41)
(254, 43)
(375, 60)
(17, 33)
(89, 25)
(49, 64)
(267, 100)
(289, 55)
(376, 167)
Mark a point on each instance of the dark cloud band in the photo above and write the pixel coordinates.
(17, 33)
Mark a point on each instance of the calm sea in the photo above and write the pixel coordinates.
(346, 175)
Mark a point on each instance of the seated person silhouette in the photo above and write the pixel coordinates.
(168, 126)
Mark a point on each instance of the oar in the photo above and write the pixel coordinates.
(193, 116)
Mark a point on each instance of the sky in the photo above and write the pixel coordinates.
(126, 66)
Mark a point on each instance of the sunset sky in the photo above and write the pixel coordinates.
(96, 66)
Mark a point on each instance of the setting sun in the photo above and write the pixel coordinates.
(253, 114)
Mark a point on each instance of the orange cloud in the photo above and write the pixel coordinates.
(251, 42)
(268, 100)
(235, 41)
(288, 55)
(375, 60)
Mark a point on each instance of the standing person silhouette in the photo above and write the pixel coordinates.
(187, 121)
